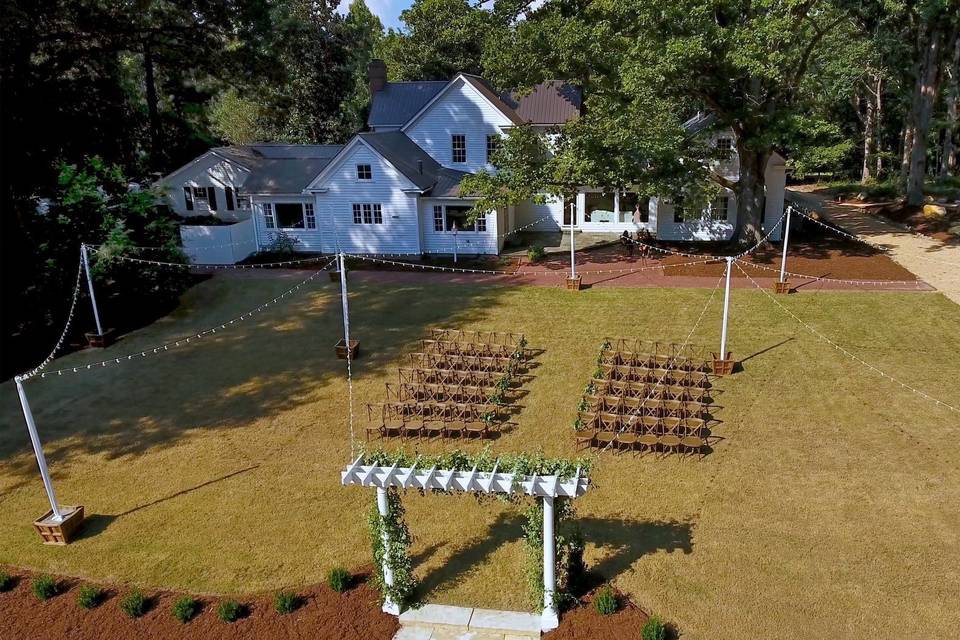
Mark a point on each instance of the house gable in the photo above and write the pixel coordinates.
(342, 170)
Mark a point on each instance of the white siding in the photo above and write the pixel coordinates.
(208, 171)
(309, 240)
(700, 228)
(226, 244)
(467, 242)
(399, 232)
(549, 214)
(460, 110)
(775, 179)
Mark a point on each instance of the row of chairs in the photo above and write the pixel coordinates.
(627, 373)
(644, 390)
(669, 349)
(431, 419)
(640, 443)
(471, 348)
(658, 407)
(420, 392)
(488, 364)
(481, 337)
(486, 379)
(652, 360)
(658, 425)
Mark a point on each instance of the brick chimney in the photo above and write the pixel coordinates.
(376, 75)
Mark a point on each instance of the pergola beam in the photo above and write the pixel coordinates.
(472, 481)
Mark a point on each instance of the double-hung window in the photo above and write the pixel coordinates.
(458, 147)
(719, 208)
(206, 193)
(724, 148)
(437, 217)
(364, 172)
(308, 216)
(493, 143)
(368, 213)
(269, 221)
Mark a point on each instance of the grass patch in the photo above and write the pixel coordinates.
(208, 440)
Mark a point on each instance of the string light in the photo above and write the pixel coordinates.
(847, 353)
(66, 328)
(916, 282)
(261, 265)
(155, 350)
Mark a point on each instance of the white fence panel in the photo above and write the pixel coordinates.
(220, 244)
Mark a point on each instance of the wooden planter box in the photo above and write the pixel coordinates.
(60, 533)
(782, 287)
(575, 283)
(723, 366)
(342, 350)
(101, 341)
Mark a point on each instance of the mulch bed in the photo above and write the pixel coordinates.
(585, 623)
(323, 613)
(942, 229)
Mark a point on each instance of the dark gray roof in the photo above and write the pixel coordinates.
(550, 102)
(699, 122)
(283, 175)
(414, 163)
(397, 102)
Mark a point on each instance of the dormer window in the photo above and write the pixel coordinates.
(458, 147)
(364, 172)
(724, 148)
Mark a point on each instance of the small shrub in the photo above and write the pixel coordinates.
(229, 610)
(339, 579)
(6, 581)
(654, 629)
(536, 253)
(134, 604)
(606, 601)
(286, 602)
(88, 597)
(44, 587)
(283, 244)
(184, 608)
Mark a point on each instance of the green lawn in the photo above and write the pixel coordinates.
(829, 508)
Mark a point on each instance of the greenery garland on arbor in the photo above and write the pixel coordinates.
(569, 554)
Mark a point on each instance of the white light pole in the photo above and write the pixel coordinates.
(343, 302)
(786, 239)
(726, 311)
(549, 619)
(38, 451)
(389, 606)
(573, 217)
(93, 297)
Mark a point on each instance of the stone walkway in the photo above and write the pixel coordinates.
(444, 622)
(933, 261)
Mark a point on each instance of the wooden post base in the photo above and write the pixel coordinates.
(342, 349)
(575, 283)
(782, 287)
(60, 533)
(101, 341)
(723, 366)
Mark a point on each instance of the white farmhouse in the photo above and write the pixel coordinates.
(396, 188)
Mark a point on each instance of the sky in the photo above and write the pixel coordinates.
(387, 10)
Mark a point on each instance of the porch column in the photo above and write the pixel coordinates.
(549, 619)
(581, 207)
(389, 606)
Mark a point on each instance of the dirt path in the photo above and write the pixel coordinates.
(933, 261)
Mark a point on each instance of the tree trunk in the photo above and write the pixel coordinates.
(751, 195)
(153, 111)
(948, 164)
(924, 97)
(878, 110)
(906, 150)
(869, 142)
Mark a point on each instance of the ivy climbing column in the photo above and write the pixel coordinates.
(383, 506)
(550, 619)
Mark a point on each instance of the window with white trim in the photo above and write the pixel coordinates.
(458, 147)
(493, 143)
(719, 208)
(268, 220)
(364, 172)
(448, 217)
(289, 215)
(437, 217)
(243, 202)
(368, 213)
(308, 216)
(725, 148)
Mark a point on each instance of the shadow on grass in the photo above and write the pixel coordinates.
(622, 541)
(273, 362)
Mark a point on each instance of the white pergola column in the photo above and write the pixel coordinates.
(389, 606)
(550, 619)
